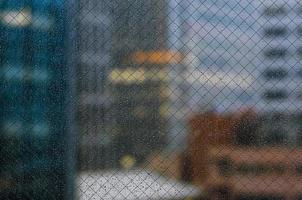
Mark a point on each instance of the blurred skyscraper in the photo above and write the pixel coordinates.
(137, 78)
(178, 85)
(34, 125)
(94, 45)
(279, 71)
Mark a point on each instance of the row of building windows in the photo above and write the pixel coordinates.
(21, 74)
(275, 74)
(279, 94)
(280, 52)
(15, 128)
(275, 11)
(270, 130)
(280, 74)
(226, 167)
(279, 31)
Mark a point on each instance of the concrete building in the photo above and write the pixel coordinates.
(251, 173)
(94, 60)
(137, 76)
(278, 81)
(279, 59)
(122, 87)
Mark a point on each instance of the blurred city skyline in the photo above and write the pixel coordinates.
(159, 84)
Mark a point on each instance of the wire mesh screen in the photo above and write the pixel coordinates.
(151, 99)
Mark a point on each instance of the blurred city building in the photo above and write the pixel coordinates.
(34, 126)
(279, 59)
(232, 158)
(137, 78)
(178, 85)
(255, 173)
(278, 74)
(93, 63)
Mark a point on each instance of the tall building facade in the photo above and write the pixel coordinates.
(279, 72)
(94, 45)
(178, 85)
(34, 86)
(136, 79)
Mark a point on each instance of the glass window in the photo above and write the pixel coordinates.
(275, 53)
(275, 11)
(224, 166)
(13, 53)
(276, 136)
(275, 94)
(275, 31)
(246, 168)
(276, 74)
(31, 54)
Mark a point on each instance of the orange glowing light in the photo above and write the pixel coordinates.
(157, 57)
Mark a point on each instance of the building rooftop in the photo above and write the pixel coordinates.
(132, 185)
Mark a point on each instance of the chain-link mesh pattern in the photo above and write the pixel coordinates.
(150, 99)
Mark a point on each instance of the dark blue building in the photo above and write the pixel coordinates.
(34, 80)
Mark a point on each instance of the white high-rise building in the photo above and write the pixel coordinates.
(279, 67)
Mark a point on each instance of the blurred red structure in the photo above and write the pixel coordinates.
(223, 159)
(207, 130)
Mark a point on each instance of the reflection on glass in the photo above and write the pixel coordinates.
(32, 122)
